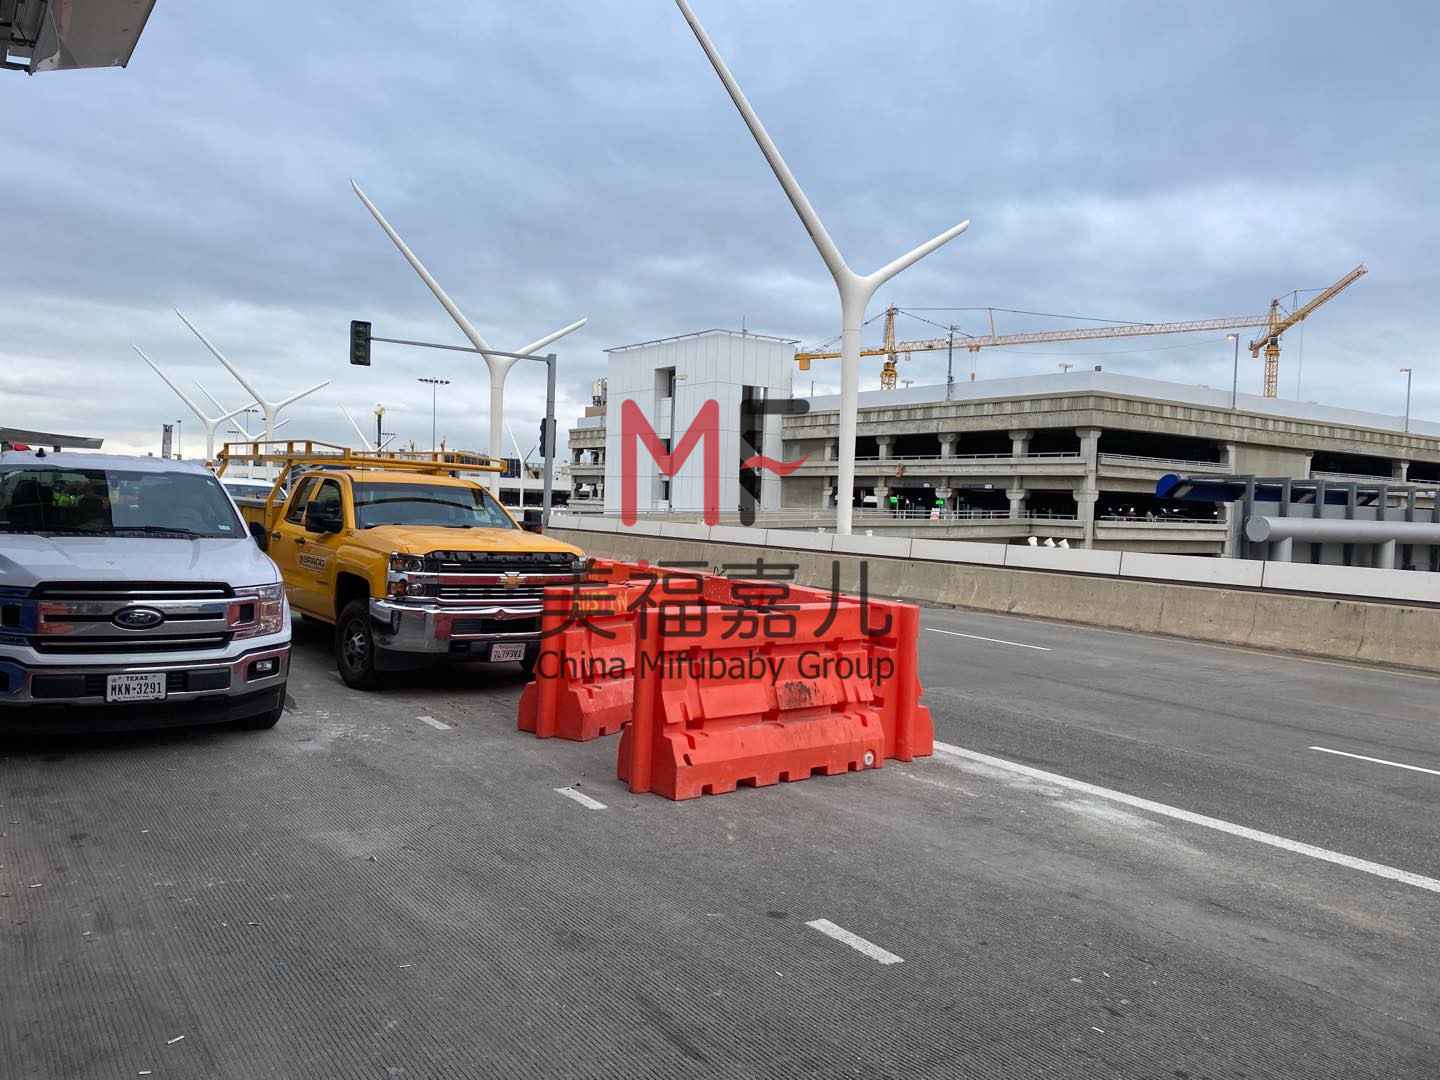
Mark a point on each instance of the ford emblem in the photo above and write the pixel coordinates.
(138, 618)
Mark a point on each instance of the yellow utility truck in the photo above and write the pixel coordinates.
(407, 557)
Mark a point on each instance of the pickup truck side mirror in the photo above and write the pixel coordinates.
(260, 536)
(531, 521)
(322, 518)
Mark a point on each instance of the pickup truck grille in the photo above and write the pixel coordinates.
(499, 579)
(79, 618)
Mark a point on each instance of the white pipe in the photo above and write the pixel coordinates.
(856, 290)
(499, 366)
(208, 424)
(1262, 528)
(270, 408)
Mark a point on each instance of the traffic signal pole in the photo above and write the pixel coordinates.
(547, 426)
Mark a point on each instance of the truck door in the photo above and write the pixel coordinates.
(325, 525)
(288, 540)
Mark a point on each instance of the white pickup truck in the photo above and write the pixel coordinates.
(132, 596)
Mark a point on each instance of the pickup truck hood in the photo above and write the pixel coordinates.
(423, 539)
(27, 561)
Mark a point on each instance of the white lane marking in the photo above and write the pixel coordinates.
(436, 724)
(1380, 870)
(1376, 760)
(580, 797)
(992, 640)
(855, 941)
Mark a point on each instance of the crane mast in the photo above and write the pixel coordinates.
(1277, 323)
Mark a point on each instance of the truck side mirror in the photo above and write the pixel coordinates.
(531, 521)
(260, 536)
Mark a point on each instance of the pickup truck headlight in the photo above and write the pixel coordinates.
(581, 564)
(257, 612)
(407, 578)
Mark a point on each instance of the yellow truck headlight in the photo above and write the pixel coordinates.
(257, 612)
(407, 577)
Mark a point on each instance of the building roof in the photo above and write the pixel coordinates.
(1105, 382)
(706, 333)
(48, 439)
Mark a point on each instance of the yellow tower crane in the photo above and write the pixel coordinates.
(1274, 323)
(1279, 322)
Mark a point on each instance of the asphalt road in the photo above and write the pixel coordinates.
(365, 892)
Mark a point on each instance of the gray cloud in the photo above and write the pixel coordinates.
(550, 160)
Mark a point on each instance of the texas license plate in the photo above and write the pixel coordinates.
(501, 653)
(150, 687)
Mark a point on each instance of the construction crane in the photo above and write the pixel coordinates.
(1279, 322)
(1272, 322)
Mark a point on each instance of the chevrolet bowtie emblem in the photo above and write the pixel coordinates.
(510, 580)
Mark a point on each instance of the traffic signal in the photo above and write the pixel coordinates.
(359, 343)
(544, 438)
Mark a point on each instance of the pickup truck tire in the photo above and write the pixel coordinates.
(355, 647)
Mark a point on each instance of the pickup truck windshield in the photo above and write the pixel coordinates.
(428, 504)
(114, 502)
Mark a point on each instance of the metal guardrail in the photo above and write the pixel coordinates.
(1168, 519)
(1168, 463)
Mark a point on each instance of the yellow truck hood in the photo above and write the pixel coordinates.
(423, 539)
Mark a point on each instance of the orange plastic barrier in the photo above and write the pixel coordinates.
(585, 674)
(584, 685)
(712, 713)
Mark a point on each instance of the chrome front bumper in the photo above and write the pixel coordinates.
(445, 629)
(57, 684)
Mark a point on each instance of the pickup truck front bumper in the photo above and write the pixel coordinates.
(437, 630)
(70, 698)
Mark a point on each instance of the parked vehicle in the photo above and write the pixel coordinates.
(409, 560)
(132, 596)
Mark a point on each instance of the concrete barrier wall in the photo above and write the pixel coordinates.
(1286, 607)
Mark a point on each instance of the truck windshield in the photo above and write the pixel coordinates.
(114, 502)
(428, 504)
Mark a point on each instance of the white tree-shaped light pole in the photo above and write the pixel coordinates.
(499, 365)
(239, 415)
(270, 408)
(207, 423)
(856, 290)
(364, 439)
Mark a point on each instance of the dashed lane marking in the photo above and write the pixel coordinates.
(580, 797)
(1376, 760)
(436, 724)
(991, 640)
(1380, 870)
(855, 941)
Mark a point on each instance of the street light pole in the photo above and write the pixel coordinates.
(435, 385)
(1409, 376)
(1235, 375)
(379, 417)
(179, 446)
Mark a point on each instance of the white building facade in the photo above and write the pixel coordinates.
(671, 383)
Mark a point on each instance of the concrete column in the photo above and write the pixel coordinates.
(1229, 513)
(832, 449)
(1232, 455)
(1085, 499)
(882, 498)
(1020, 442)
(1089, 445)
(948, 443)
(1400, 470)
(1017, 497)
(886, 444)
(1385, 555)
(1308, 459)
(947, 496)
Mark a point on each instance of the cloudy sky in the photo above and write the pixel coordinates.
(556, 159)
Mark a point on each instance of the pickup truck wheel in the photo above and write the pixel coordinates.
(355, 647)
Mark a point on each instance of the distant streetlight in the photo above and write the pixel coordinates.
(179, 452)
(1235, 375)
(1409, 375)
(434, 385)
(1065, 368)
(379, 435)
